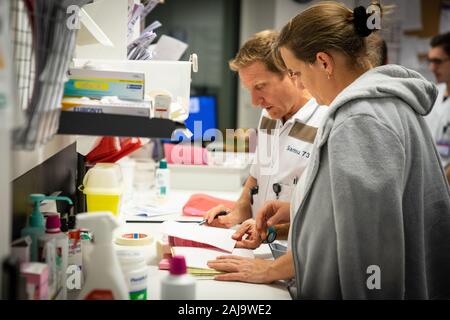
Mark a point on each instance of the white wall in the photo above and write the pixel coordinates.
(287, 9)
(111, 16)
(24, 161)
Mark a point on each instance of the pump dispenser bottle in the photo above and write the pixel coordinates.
(104, 279)
(36, 227)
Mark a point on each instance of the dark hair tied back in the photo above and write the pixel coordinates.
(360, 17)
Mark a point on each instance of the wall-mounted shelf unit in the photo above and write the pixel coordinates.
(97, 124)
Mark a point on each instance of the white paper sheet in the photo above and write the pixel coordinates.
(199, 257)
(169, 48)
(217, 237)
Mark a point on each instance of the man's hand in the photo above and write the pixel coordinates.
(272, 213)
(227, 221)
(246, 235)
(243, 269)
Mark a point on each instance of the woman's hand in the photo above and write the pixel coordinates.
(247, 236)
(272, 213)
(243, 269)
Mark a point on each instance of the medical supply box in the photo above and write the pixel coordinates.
(100, 83)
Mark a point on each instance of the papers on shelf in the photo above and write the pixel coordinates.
(168, 48)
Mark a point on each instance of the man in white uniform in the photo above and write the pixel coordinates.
(286, 132)
(439, 118)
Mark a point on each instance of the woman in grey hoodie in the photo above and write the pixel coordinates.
(372, 214)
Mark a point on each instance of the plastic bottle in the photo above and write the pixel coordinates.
(74, 234)
(104, 280)
(75, 257)
(53, 233)
(162, 179)
(135, 271)
(36, 228)
(178, 285)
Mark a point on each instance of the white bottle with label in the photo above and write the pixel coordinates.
(135, 271)
(162, 106)
(178, 284)
(53, 233)
(162, 176)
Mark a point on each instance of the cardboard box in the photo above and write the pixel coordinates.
(100, 83)
(142, 109)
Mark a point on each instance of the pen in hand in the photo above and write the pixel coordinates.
(221, 213)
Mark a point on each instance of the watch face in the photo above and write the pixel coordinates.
(271, 237)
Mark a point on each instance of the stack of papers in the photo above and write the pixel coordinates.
(215, 241)
(197, 258)
(218, 238)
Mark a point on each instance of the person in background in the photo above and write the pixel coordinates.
(371, 218)
(439, 117)
(286, 132)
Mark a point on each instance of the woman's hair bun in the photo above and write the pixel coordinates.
(360, 17)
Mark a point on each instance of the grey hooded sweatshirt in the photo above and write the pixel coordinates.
(374, 220)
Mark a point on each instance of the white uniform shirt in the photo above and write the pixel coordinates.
(283, 151)
(439, 123)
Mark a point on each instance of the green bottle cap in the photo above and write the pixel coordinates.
(163, 164)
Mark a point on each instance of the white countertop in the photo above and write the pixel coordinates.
(206, 289)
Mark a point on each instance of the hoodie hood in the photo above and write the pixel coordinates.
(391, 81)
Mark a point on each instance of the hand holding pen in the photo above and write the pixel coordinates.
(220, 217)
(221, 213)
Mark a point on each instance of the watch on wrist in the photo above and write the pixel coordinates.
(271, 235)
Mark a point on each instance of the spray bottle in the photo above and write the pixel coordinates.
(36, 227)
(104, 280)
(61, 242)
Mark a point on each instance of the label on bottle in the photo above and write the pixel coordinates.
(162, 182)
(139, 295)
